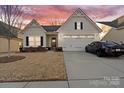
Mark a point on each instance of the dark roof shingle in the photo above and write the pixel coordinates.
(115, 23)
(51, 28)
(5, 32)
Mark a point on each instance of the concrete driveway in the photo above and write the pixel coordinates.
(88, 70)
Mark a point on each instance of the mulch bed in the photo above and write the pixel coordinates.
(7, 59)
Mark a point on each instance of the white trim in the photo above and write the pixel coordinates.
(79, 36)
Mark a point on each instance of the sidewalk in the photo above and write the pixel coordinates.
(38, 84)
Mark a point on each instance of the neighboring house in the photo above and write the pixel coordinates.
(14, 41)
(105, 30)
(73, 35)
(116, 33)
(119, 22)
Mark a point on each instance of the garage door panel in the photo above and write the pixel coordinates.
(71, 44)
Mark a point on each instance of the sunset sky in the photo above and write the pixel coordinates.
(45, 13)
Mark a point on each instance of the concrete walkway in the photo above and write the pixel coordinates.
(84, 70)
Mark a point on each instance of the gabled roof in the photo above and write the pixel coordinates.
(117, 23)
(5, 32)
(46, 28)
(32, 22)
(80, 12)
(112, 24)
(51, 28)
(14, 30)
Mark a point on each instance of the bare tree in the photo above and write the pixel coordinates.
(56, 21)
(11, 15)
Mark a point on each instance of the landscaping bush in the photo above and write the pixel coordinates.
(49, 48)
(58, 49)
(40, 49)
(34, 49)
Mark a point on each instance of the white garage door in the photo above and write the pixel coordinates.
(75, 44)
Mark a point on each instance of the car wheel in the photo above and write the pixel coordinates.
(99, 53)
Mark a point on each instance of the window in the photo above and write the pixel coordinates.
(75, 25)
(27, 41)
(110, 43)
(34, 41)
(31, 41)
(81, 25)
(41, 41)
(78, 25)
(98, 45)
(92, 44)
(37, 41)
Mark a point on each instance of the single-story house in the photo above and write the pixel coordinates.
(77, 31)
(116, 33)
(4, 35)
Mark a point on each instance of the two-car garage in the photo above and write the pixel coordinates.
(76, 42)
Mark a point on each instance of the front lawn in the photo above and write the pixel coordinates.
(35, 66)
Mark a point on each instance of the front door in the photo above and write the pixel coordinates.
(53, 42)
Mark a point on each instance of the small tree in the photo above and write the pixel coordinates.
(11, 15)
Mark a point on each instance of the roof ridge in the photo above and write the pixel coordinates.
(79, 10)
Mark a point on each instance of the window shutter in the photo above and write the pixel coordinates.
(81, 24)
(41, 40)
(75, 25)
(27, 41)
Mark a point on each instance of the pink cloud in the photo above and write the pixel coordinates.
(44, 13)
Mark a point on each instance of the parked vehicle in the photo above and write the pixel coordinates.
(105, 48)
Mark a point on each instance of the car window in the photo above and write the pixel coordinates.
(110, 43)
(98, 44)
(92, 44)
